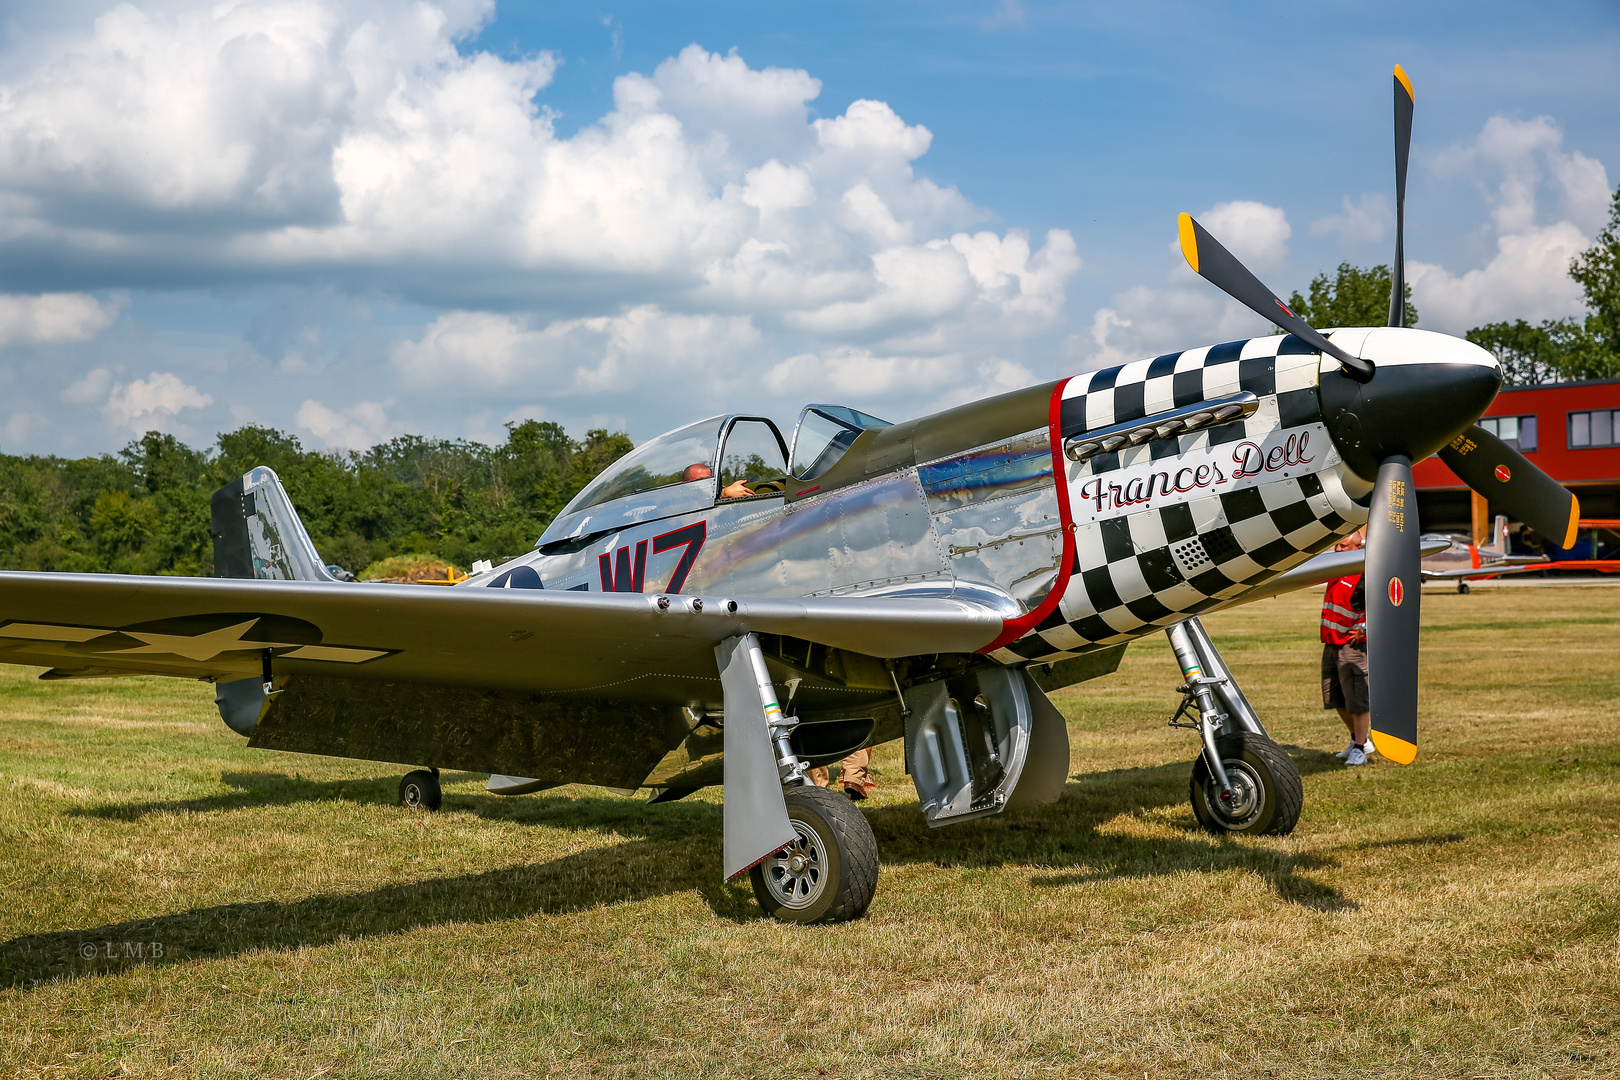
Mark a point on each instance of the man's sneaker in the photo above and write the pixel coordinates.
(1368, 748)
(1342, 754)
(1356, 756)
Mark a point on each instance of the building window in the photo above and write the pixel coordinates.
(1518, 432)
(1600, 428)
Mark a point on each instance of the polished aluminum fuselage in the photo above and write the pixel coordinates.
(1015, 522)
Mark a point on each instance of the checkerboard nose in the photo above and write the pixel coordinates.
(1428, 388)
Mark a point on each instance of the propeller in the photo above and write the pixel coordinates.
(1412, 409)
(1221, 268)
(1403, 149)
(1394, 588)
(1509, 480)
(1394, 594)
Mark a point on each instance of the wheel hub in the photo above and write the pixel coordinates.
(1247, 793)
(797, 874)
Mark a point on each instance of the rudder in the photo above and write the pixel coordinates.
(257, 533)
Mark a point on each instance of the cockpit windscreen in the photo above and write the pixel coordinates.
(668, 459)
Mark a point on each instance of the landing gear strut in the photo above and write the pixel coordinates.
(1243, 782)
(810, 854)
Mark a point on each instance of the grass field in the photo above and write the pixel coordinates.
(1457, 918)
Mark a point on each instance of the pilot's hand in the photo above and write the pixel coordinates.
(735, 490)
(1358, 637)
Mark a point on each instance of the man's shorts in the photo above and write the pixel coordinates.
(1344, 678)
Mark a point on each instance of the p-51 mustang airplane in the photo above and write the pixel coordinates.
(927, 581)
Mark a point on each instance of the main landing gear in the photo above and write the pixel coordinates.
(420, 790)
(1243, 782)
(829, 872)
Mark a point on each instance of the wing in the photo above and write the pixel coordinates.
(1464, 573)
(1325, 567)
(105, 624)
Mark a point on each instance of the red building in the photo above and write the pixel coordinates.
(1570, 430)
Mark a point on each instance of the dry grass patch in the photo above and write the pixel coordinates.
(1457, 918)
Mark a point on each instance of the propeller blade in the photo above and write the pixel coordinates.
(1510, 481)
(1403, 149)
(1393, 597)
(1222, 269)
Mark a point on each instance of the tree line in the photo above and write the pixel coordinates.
(145, 510)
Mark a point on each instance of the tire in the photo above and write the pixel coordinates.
(838, 875)
(1269, 792)
(420, 791)
(1462, 587)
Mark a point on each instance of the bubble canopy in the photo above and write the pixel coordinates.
(660, 463)
(676, 473)
(672, 474)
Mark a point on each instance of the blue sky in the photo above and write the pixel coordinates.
(354, 220)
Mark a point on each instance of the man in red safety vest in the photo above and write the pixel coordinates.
(1344, 658)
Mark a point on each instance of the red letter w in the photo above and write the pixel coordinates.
(626, 579)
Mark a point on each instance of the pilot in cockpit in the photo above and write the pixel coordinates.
(737, 489)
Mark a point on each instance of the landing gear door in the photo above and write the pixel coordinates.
(966, 742)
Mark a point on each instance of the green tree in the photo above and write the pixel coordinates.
(1597, 269)
(146, 509)
(1557, 350)
(1565, 349)
(1352, 297)
(121, 523)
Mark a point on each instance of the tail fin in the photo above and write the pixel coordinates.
(1499, 537)
(257, 533)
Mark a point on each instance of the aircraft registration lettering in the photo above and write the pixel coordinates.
(1279, 454)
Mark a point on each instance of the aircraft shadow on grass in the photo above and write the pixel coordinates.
(674, 848)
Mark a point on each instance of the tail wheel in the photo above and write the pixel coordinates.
(1267, 794)
(420, 791)
(829, 872)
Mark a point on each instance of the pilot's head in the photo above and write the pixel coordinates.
(1349, 543)
(696, 471)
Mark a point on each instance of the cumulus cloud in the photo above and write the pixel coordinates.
(712, 241)
(90, 390)
(152, 403)
(260, 137)
(708, 225)
(231, 108)
(354, 427)
(475, 352)
(924, 382)
(1254, 232)
(21, 428)
(1147, 321)
(55, 318)
(1183, 310)
(1515, 164)
(1361, 222)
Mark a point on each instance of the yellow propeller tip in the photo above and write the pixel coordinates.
(1574, 522)
(1189, 241)
(1400, 76)
(1399, 751)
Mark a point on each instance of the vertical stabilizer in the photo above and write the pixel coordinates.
(1499, 536)
(257, 533)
